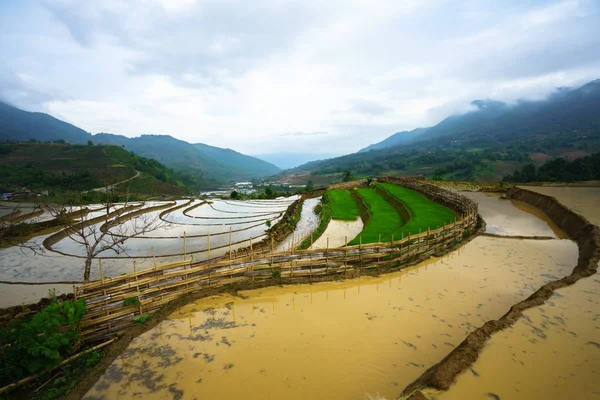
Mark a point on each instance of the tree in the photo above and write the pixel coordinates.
(108, 232)
(310, 186)
(90, 143)
(234, 195)
(269, 193)
(348, 176)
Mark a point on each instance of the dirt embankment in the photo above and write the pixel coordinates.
(587, 236)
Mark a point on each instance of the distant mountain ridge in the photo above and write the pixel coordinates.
(492, 140)
(203, 165)
(565, 109)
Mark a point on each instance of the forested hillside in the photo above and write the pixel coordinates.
(79, 168)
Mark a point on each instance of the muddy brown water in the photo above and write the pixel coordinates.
(553, 352)
(343, 340)
(509, 217)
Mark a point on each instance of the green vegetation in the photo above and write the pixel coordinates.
(39, 343)
(60, 168)
(131, 301)
(384, 221)
(559, 170)
(485, 144)
(343, 205)
(424, 212)
(141, 319)
(68, 376)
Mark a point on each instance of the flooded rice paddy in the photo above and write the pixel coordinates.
(553, 352)
(308, 222)
(208, 227)
(338, 233)
(343, 340)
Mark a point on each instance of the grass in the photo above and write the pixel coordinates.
(385, 220)
(343, 205)
(424, 212)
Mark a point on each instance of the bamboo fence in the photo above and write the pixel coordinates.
(156, 286)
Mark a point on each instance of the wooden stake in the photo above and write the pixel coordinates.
(154, 258)
(327, 256)
(230, 255)
(360, 247)
(74, 292)
(251, 255)
(134, 266)
(184, 250)
(101, 273)
(208, 239)
(272, 251)
(292, 246)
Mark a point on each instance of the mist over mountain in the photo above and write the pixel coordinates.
(486, 142)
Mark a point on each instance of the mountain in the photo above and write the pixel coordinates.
(404, 137)
(487, 143)
(240, 164)
(200, 165)
(19, 125)
(64, 167)
(291, 160)
(203, 165)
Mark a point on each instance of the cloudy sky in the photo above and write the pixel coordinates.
(322, 76)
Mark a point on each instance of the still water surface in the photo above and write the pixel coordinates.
(553, 352)
(340, 340)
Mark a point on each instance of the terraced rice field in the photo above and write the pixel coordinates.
(384, 222)
(424, 213)
(208, 227)
(357, 339)
(343, 205)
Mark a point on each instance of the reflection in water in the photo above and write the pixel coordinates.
(553, 352)
(333, 340)
(513, 217)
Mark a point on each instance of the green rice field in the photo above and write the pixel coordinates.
(424, 212)
(385, 220)
(343, 205)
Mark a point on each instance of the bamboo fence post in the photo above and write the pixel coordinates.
(184, 250)
(377, 249)
(208, 240)
(101, 273)
(154, 258)
(345, 250)
(230, 255)
(74, 292)
(134, 267)
(272, 252)
(251, 251)
(360, 247)
(292, 246)
(326, 256)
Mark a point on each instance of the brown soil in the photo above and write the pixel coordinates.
(443, 374)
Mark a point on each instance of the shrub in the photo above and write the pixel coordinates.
(130, 301)
(141, 319)
(41, 342)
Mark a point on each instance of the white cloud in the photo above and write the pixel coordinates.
(244, 75)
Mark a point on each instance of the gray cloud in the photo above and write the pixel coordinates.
(241, 73)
